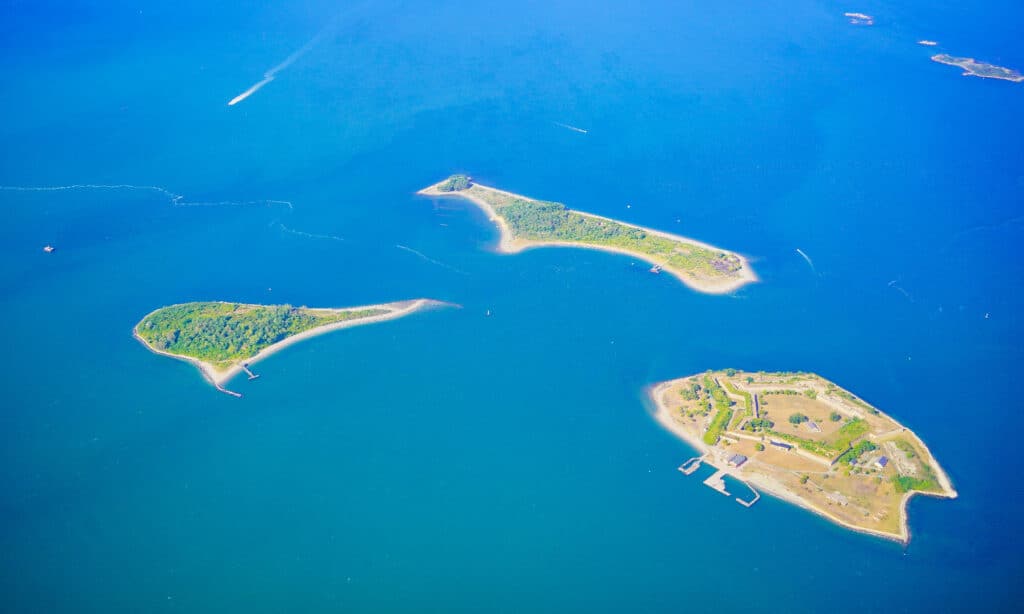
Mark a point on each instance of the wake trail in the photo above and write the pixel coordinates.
(270, 74)
(808, 259)
(176, 200)
(426, 258)
(982, 228)
(895, 284)
(308, 235)
(573, 128)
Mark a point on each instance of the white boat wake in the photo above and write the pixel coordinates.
(808, 259)
(573, 128)
(177, 200)
(308, 235)
(426, 258)
(895, 285)
(270, 74)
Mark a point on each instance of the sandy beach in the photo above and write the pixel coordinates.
(509, 244)
(662, 416)
(218, 377)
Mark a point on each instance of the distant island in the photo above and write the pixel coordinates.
(973, 68)
(803, 439)
(527, 223)
(222, 339)
(860, 19)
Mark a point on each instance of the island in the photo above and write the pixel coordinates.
(805, 440)
(527, 223)
(973, 68)
(223, 339)
(860, 19)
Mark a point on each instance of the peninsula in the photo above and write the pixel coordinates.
(222, 339)
(805, 440)
(528, 223)
(973, 68)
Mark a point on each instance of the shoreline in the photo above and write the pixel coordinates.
(662, 416)
(218, 377)
(509, 244)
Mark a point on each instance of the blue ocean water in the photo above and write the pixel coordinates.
(455, 462)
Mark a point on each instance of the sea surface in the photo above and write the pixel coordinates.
(452, 461)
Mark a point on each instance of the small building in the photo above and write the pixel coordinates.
(882, 462)
(736, 460)
(781, 444)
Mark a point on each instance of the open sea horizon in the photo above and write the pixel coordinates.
(451, 461)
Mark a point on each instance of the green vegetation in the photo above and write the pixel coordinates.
(848, 433)
(748, 402)
(811, 394)
(798, 418)
(692, 393)
(810, 445)
(759, 447)
(539, 220)
(226, 333)
(835, 416)
(854, 453)
(455, 183)
(723, 411)
(757, 425)
(906, 483)
(905, 447)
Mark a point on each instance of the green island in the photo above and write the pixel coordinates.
(973, 68)
(223, 339)
(805, 440)
(526, 223)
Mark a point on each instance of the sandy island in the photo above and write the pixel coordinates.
(510, 244)
(780, 478)
(218, 377)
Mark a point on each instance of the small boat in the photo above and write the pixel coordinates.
(656, 269)
(488, 314)
(49, 249)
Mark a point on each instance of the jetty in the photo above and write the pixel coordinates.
(716, 482)
(252, 376)
(691, 465)
(237, 395)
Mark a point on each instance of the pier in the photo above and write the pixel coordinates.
(757, 495)
(716, 482)
(251, 375)
(691, 465)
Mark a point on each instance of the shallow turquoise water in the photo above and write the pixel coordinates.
(451, 461)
